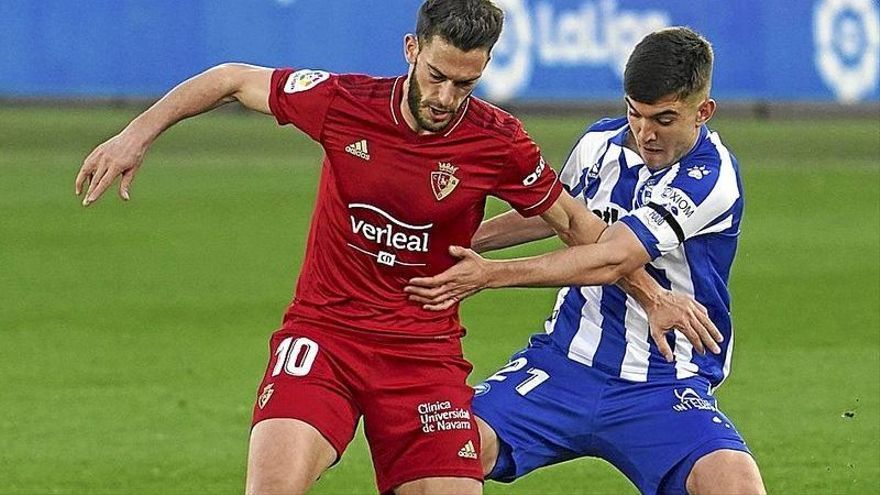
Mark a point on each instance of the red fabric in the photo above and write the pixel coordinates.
(379, 220)
(412, 394)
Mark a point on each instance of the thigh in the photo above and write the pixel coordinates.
(541, 407)
(307, 379)
(417, 414)
(286, 456)
(654, 432)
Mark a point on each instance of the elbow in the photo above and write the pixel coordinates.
(568, 236)
(616, 267)
(230, 78)
(613, 274)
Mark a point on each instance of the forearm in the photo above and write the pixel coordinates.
(642, 287)
(194, 96)
(574, 224)
(509, 229)
(593, 264)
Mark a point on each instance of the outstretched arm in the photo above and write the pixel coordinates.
(509, 229)
(123, 154)
(617, 253)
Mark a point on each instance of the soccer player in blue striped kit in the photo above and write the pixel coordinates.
(600, 382)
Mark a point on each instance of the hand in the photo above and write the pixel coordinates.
(682, 313)
(467, 277)
(119, 155)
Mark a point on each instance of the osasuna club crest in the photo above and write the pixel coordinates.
(268, 390)
(443, 181)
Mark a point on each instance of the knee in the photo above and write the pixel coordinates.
(488, 446)
(725, 472)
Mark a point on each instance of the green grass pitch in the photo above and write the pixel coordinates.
(133, 336)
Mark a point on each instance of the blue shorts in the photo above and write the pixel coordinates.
(547, 409)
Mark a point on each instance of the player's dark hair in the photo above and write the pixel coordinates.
(465, 24)
(674, 60)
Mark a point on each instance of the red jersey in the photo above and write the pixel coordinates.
(391, 201)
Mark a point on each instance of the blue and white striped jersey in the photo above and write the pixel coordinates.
(687, 216)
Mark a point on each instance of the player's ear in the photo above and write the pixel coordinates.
(705, 111)
(410, 48)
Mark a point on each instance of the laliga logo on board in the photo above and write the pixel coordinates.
(596, 34)
(847, 37)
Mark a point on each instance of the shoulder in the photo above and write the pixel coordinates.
(597, 135)
(491, 120)
(711, 170)
(356, 85)
(607, 124)
(362, 86)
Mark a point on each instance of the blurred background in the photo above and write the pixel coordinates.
(133, 336)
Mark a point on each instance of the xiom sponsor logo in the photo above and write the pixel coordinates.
(359, 149)
(385, 233)
(689, 399)
(677, 202)
(468, 451)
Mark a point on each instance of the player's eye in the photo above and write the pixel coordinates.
(437, 77)
(665, 122)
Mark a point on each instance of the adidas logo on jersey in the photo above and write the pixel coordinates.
(468, 451)
(359, 149)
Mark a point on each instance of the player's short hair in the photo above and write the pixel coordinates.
(465, 24)
(675, 60)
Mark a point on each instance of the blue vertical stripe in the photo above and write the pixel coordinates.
(625, 189)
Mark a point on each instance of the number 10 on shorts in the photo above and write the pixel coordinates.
(295, 356)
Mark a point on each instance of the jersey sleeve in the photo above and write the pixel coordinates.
(302, 98)
(529, 184)
(696, 201)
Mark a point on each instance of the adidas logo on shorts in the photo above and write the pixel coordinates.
(468, 451)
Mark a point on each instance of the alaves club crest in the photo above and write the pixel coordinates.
(443, 181)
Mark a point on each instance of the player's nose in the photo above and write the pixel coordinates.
(446, 95)
(646, 133)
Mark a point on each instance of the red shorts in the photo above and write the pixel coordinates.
(412, 394)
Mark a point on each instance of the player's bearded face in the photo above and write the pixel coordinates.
(666, 130)
(441, 78)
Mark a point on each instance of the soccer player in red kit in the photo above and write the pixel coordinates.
(409, 162)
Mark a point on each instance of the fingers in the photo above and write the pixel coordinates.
(100, 183)
(659, 337)
(125, 184)
(96, 177)
(693, 337)
(451, 301)
(437, 295)
(81, 178)
(458, 252)
(85, 172)
(442, 306)
(427, 290)
(706, 337)
(708, 334)
(703, 317)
